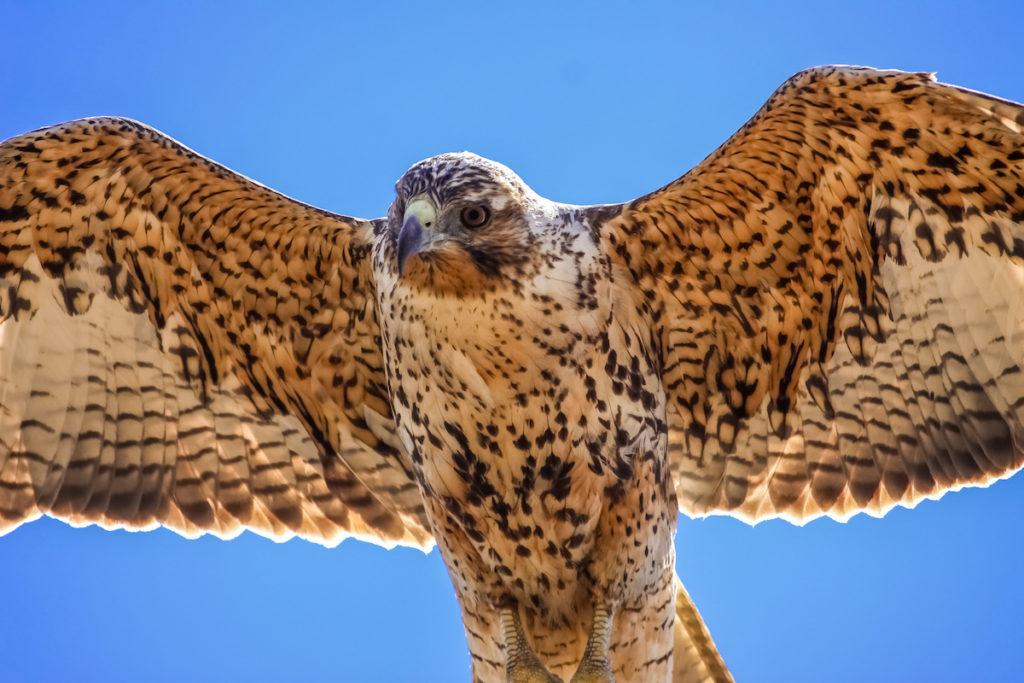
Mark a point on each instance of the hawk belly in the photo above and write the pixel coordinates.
(536, 426)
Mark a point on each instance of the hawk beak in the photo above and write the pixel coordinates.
(416, 234)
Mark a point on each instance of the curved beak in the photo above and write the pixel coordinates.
(416, 234)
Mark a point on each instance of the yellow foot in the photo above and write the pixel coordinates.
(589, 674)
(596, 666)
(521, 663)
(530, 674)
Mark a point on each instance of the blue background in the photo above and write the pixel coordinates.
(589, 103)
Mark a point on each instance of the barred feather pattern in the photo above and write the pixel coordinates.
(182, 346)
(695, 659)
(840, 301)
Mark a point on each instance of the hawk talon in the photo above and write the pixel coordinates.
(596, 666)
(593, 675)
(521, 662)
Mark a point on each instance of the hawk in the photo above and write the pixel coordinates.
(824, 317)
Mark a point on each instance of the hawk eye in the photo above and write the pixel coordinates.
(475, 216)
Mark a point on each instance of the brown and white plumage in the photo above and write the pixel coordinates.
(823, 317)
(839, 289)
(182, 346)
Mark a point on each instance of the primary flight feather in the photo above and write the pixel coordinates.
(823, 317)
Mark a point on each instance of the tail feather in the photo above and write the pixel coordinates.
(695, 658)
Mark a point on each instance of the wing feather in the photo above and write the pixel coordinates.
(838, 292)
(182, 346)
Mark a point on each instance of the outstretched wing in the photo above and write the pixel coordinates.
(839, 295)
(182, 346)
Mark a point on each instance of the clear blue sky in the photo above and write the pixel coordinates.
(592, 103)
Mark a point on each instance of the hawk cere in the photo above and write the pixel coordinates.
(823, 317)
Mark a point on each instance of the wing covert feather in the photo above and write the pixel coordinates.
(839, 294)
(182, 346)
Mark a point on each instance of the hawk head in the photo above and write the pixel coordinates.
(460, 220)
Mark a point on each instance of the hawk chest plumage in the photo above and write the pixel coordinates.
(530, 408)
